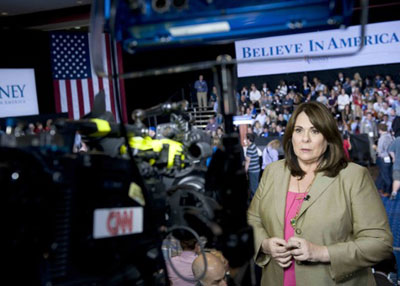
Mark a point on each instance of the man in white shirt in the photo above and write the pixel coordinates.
(378, 105)
(261, 117)
(255, 94)
(385, 108)
(343, 100)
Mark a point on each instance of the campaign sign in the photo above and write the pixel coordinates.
(117, 221)
(18, 93)
(381, 46)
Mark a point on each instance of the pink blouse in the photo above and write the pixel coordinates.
(293, 204)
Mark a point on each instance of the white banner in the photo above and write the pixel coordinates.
(18, 92)
(382, 46)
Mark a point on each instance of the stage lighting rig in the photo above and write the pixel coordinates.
(172, 22)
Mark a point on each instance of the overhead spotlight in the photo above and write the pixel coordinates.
(180, 4)
(161, 6)
(137, 5)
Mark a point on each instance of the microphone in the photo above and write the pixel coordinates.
(306, 198)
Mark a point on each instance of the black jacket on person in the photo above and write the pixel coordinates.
(396, 126)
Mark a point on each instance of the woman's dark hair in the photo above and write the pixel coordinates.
(333, 160)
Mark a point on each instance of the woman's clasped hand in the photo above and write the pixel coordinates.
(299, 249)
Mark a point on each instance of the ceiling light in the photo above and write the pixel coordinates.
(207, 28)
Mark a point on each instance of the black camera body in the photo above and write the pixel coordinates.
(72, 222)
(97, 218)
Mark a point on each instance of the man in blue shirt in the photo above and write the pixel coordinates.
(201, 91)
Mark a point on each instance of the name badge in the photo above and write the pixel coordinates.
(386, 159)
(371, 134)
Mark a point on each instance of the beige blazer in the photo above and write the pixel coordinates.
(344, 213)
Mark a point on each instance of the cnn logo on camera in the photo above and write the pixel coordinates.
(117, 222)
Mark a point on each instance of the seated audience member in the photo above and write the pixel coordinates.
(265, 132)
(287, 102)
(263, 100)
(244, 102)
(279, 131)
(286, 115)
(255, 95)
(212, 125)
(253, 110)
(343, 99)
(282, 88)
(281, 121)
(215, 272)
(183, 262)
(220, 132)
(257, 128)
(244, 91)
(272, 130)
(261, 117)
(249, 112)
(322, 98)
(31, 129)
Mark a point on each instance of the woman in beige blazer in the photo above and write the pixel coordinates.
(339, 228)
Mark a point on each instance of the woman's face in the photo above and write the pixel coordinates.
(308, 143)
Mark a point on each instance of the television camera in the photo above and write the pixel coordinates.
(99, 217)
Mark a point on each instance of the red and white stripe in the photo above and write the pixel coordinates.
(76, 96)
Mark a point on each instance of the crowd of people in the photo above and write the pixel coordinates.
(349, 100)
(360, 105)
(352, 106)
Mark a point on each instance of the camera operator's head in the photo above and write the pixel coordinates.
(187, 241)
(190, 244)
(215, 274)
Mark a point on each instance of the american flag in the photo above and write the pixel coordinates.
(75, 82)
